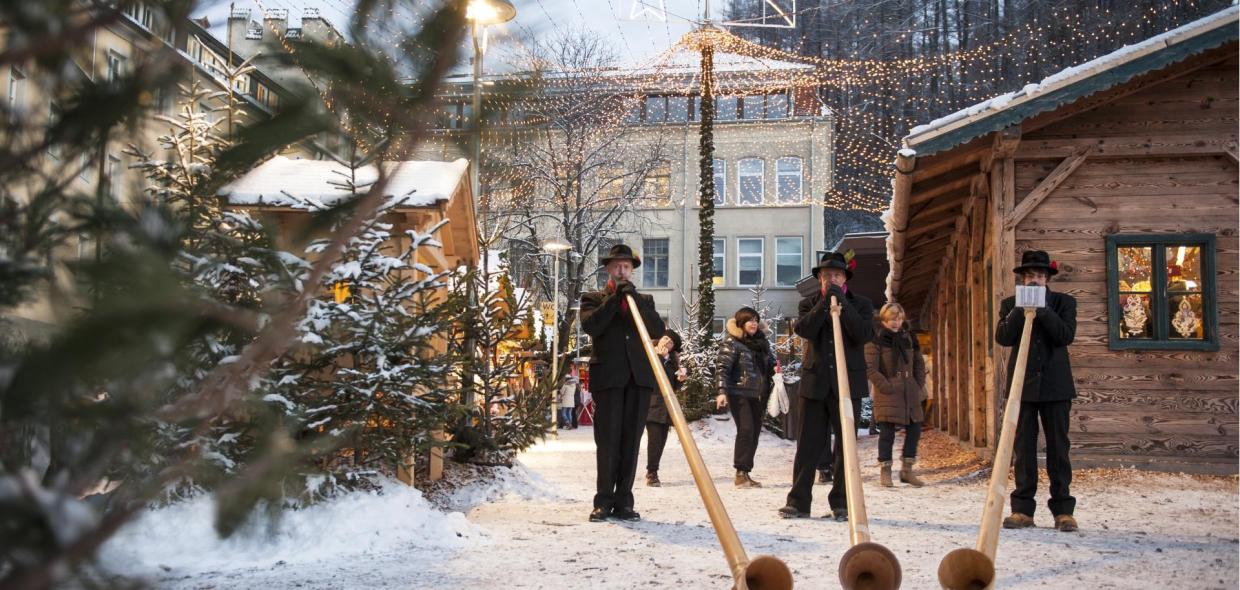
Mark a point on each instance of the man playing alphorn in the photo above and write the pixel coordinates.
(820, 408)
(1047, 394)
(621, 380)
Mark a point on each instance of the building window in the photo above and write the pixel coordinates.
(749, 181)
(725, 108)
(633, 115)
(719, 248)
(1161, 292)
(716, 326)
(522, 260)
(116, 66)
(654, 262)
(677, 109)
(752, 107)
(788, 261)
(113, 176)
(788, 180)
(657, 186)
(610, 179)
(777, 106)
(17, 92)
(721, 181)
(604, 246)
(749, 262)
(656, 109)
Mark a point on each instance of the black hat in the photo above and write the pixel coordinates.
(620, 252)
(835, 260)
(1038, 260)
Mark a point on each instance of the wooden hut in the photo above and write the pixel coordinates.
(1125, 170)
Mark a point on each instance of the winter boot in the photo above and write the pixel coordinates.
(652, 479)
(884, 474)
(824, 476)
(1065, 523)
(744, 481)
(1018, 521)
(906, 473)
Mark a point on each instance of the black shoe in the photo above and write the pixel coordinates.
(824, 476)
(627, 514)
(600, 514)
(791, 511)
(652, 479)
(839, 514)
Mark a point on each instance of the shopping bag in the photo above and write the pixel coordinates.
(778, 404)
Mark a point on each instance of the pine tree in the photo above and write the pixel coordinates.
(698, 394)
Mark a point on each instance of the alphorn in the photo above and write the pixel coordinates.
(974, 569)
(866, 565)
(764, 572)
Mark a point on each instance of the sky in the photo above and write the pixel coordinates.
(637, 29)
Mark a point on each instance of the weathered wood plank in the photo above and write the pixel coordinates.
(1047, 186)
(1155, 424)
(1161, 445)
(1128, 146)
(1143, 378)
(1177, 400)
(1095, 230)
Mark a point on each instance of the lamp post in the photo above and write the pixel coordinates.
(480, 13)
(555, 248)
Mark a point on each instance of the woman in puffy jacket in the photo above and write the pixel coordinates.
(746, 369)
(897, 371)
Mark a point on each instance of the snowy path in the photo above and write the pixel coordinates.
(1140, 531)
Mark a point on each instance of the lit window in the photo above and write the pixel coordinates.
(749, 262)
(719, 247)
(657, 186)
(1161, 291)
(788, 180)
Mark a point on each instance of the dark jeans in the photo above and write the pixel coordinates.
(887, 439)
(566, 418)
(747, 413)
(656, 439)
(1054, 416)
(618, 418)
(818, 419)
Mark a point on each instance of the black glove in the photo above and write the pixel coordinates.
(1016, 314)
(626, 288)
(835, 290)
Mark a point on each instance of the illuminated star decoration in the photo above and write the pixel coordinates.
(641, 8)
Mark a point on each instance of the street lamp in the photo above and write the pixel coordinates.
(481, 13)
(555, 247)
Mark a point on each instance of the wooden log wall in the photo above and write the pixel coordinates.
(1174, 410)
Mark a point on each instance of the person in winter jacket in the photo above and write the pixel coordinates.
(746, 369)
(819, 389)
(567, 392)
(621, 380)
(1047, 394)
(658, 421)
(898, 373)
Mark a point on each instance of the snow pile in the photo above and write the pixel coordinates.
(180, 538)
(488, 484)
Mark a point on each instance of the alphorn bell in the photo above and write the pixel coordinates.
(866, 565)
(974, 569)
(764, 572)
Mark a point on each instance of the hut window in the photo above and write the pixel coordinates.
(1161, 292)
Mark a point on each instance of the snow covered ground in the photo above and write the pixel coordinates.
(528, 529)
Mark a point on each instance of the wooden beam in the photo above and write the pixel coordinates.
(942, 221)
(1125, 147)
(1230, 150)
(1048, 185)
(952, 180)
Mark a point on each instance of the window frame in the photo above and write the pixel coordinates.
(1158, 293)
(800, 176)
(650, 263)
(800, 259)
(656, 188)
(761, 256)
(17, 92)
(720, 253)
(740, 185)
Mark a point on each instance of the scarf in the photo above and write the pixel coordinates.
(900, 342)
(760, 347)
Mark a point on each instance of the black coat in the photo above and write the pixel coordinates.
(1048, 374)
(618, 352)
(658, 409)
(741, 371)
(818, 378)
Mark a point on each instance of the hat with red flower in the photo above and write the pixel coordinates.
(1037, 260)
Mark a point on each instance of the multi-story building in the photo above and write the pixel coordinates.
(772, 167)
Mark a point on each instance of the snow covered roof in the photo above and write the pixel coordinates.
(319, 184)
(1075, 82)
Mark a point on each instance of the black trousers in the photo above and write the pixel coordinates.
(887, 439)
(1054, 417)
(576, 404)
(819, 418)
(618, 418)
(656, 439)
(747, 413)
